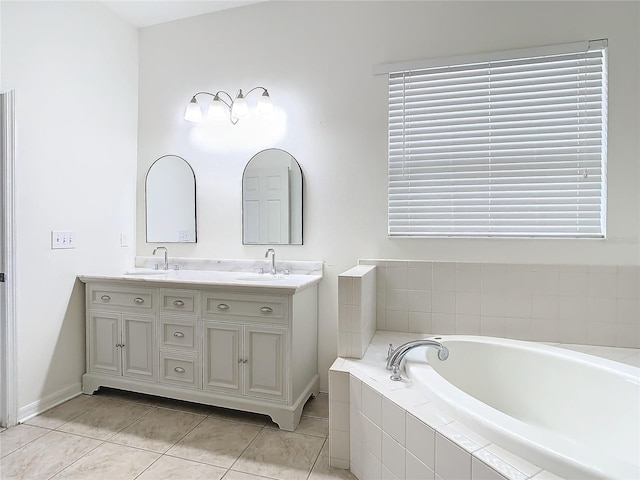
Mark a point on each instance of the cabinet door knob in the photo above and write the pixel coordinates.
(105, 298)
(245, 360)
(223, 306)
(178, 335)
(179, 370)
(240, 360)
(266, 310)
(178, 303)
(138, 300)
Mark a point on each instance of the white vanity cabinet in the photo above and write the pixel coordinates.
(121, 332)
(179, 361)
(245, 340)
(246, 348)
(247, 360)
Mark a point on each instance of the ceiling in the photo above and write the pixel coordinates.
(144, 13)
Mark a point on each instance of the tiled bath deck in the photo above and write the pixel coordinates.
(389, 430)
(120, 435)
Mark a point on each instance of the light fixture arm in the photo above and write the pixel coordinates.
(217, 94)
(264, 90)
(229, 104)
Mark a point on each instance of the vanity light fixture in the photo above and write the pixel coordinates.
(236, 107)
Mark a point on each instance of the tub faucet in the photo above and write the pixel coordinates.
(396, 355)
(273, 260)
(166, 256)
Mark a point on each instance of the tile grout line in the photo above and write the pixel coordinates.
(163, 454)
(102, 441)
(150, 465)
(318, 457)
(70, 419)
(151, 408)
(247, 447)
(160, 455)
(211, 464)
(2, 457)
(91, 410)
(79, 458)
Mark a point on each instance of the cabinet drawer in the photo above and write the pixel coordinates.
(178, 301)
(177, 334)
(263, 307)
(121, 297)
(179, 369)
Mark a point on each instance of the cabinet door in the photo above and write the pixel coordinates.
(138, 339)
(264, 372)
(222, 357)
(104, 341)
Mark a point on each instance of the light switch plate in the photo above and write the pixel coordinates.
(62, 240)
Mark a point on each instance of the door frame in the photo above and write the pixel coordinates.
(8, 334)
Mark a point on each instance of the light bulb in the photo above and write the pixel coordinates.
(239, 107)
(193, 112)
(265, 105)
(217, 110)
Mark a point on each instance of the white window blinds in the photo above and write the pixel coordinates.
(508, 147)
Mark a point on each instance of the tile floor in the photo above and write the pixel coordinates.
(121, 435)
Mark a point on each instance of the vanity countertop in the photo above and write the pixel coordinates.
(203, 278)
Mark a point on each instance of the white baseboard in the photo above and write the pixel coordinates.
(50, 401)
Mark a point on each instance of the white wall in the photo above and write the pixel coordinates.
(74, 68)
(316, 59)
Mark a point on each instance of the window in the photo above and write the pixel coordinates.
(508, 144)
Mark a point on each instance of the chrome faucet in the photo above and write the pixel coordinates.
(166, 256)
(396, 355)
(273, 260)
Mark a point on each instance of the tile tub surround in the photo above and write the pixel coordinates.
(580, 304)
(356, 310)
(379, 428)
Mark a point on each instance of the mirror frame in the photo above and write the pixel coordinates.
(302, 193)
(146, 202)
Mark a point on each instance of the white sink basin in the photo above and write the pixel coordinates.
(264, 277)
(146, 271)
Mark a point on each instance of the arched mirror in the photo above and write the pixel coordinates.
(272, 199)
(170, 197)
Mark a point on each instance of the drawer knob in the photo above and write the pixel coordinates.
(138, 300)
(178, 334)
(223, 306)
(266, 310)
(178, 303)
(105, 298)
(179, 370)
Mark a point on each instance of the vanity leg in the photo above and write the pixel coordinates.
(90, 384)
(287, 420)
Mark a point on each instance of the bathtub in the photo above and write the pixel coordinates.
(573, 414)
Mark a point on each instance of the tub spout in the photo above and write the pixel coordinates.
(396, 355)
